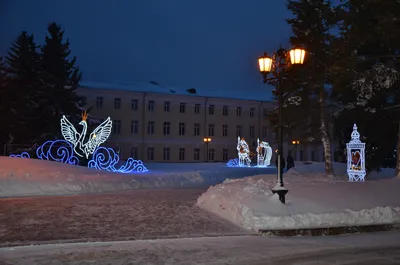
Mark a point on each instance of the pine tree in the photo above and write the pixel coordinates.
(369, 47)
(23, 90)
(311, 27)
(62, 78)
(4, 108)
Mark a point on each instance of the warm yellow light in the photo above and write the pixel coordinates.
(265, 64)
(297, 56)
(207, 140)
(295, 142)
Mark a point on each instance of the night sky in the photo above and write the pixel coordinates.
(203, 44)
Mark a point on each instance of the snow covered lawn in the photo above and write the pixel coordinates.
(32, 177)
(313, 201)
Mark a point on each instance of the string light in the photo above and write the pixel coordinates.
(106, 159)
(264, 154)
(243, 152)
(96, 138)
(59, 151)
(22, 155)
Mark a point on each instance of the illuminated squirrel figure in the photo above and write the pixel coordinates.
(96, 138)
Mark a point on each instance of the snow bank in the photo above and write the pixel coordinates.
(33, 177)
(311, 202)
(313, 170)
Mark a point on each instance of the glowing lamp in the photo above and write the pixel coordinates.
(295, 142)
(297, 56)
(265, 64)
(207, 140)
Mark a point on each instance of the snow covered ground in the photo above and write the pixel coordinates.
(313, 200)
(32, 177)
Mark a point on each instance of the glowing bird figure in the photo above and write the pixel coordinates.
(96, 138)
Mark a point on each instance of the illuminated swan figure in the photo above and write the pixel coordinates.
(264, 153)
(243, 152)
(96, 138)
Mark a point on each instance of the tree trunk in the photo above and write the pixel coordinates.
(325, 138)
(398, 153)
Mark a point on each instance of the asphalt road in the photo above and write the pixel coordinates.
(374, 248)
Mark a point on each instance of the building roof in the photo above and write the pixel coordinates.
(257, 94)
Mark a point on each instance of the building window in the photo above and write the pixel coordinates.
(167, 104)
(134, 152)
(251, 132)
(166, 128)
(151, 105)
(196, 128)
(225, 130)
(210, 109)
(150, 127)
(238, 130)
(211, 154)
(265, 114)
(252, 110)
(116, 126)
(166, 153)
(99, 102)
(225, 110)
(211, 130)
(181, 128)
(264, 132)
(134, 104)
(181, 154)
(196, 154)
(224, 154)
(150, 153)
(117, 103)
(182, 107)
(238, 111)
(134, 127)
(197, 108)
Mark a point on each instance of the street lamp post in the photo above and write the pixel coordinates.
(277, 65)
(295, 143)
(206, 140)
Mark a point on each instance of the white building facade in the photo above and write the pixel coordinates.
(164, 125)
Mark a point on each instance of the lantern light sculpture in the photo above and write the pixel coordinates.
(355, 157)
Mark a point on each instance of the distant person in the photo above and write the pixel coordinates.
(282, 162)
(289, 162)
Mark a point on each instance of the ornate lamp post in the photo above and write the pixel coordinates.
(207, 140)
(277, 65)
(295, 143)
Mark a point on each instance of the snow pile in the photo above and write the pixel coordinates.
(250, 203)
(315, 170)
(31, 177)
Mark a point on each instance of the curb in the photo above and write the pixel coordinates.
(330, 231)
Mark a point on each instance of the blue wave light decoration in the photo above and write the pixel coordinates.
(233, 162)
(59, 151)
(22, 155)
(105, 158)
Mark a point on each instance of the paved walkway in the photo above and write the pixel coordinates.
(366, 249)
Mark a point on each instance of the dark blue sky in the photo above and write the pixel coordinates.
(210, 44)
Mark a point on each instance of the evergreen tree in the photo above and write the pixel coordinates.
(23, 90)
(4, 108)
(369, 46)
(62, 78)
(311, 27)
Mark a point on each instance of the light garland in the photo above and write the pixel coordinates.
(22, 155)
(106, 159)
(355, 157)
(59, 151)
(96, 138)
(264, 153)
(233, 162)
